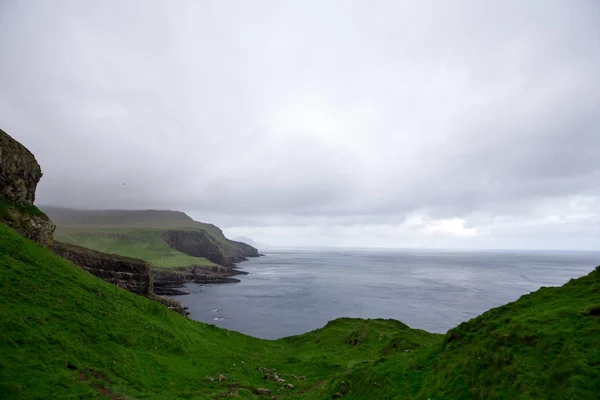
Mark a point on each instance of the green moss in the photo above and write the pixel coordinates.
(28, 209)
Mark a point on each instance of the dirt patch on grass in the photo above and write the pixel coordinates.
(83, 376)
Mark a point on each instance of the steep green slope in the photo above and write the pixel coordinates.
(66, 334)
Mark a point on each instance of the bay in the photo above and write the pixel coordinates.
(290, 292)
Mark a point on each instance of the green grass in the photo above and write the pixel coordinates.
(545, 345)
(140, 232)
(27, 209)
(142, 243)
(67, 334)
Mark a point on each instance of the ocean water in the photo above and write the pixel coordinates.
(293, 292)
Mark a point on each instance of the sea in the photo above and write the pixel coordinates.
(290, 292)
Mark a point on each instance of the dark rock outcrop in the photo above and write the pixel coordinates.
(128, 273)
(199, 243)
(19, 176)
(247, 250)
(19, 171)
(167, 282)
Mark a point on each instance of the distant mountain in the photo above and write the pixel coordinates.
(251, 242)
(244, 239)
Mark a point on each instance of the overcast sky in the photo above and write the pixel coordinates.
(466, 124)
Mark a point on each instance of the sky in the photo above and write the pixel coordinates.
(430, 124)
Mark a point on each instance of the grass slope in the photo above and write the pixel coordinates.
(67, 334)
(142, 243)
(545, 345)
(131, 233)
(29, 209)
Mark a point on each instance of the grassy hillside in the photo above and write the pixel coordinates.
(66, 334)
(143, 243)
(545, 345)
(72, 220)
(131, 233)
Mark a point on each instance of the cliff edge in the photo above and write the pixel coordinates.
(125, 272)
(20, 174)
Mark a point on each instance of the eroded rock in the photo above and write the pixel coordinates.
(19, 176)
(19, 171)
(128, 273)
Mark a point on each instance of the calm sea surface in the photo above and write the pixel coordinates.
(292, 292)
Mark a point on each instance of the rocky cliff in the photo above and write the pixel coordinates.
(19, 176)
(246, 249)
(128, 273)
(202, 244)
(19, 171)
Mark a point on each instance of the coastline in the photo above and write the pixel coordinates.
(170, 282)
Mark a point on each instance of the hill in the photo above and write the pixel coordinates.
(164, 238)
(69, 217)
(67, 334)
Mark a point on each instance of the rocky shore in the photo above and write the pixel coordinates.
(170, 282)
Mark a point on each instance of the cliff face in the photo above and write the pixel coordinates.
(202, 244)
(19, 176)
(128, 273)
(19, 171)
(246, 249)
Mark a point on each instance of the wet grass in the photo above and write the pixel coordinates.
(142, 243)
(67, 334)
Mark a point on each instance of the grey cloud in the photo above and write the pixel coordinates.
(295, 114)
